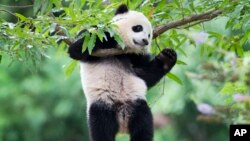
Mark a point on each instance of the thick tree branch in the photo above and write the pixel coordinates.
(16, 6)
(191, 20)
(187, 20)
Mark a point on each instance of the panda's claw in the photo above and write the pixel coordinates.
(168, 52)
(168, 57)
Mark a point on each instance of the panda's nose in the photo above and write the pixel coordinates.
(145, 41)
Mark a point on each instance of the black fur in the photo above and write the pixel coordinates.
(151, 71)
(121, 9)
(102, 122)
(75, 49)
(141, 122)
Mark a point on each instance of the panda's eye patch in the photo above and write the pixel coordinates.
(137, 28)
(148, 35)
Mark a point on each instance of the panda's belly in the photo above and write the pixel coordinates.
(111, 81)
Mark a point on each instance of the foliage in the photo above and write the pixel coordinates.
(39, 106)
(213, 67)
(30, 36)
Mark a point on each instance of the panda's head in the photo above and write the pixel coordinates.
(134, 29)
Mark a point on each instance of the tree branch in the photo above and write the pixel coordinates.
(190, 19)
(3, 10)
(64, 38)
(193, 20)
(16, 6)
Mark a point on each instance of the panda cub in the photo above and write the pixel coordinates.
(115, 87)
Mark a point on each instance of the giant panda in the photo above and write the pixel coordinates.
(115, 86)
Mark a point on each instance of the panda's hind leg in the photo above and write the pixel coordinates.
(102, 122)
(141, 122)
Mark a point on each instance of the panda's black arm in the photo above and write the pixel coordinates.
(151, 71)
(75, 49)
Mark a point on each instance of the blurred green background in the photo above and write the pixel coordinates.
(43, 104)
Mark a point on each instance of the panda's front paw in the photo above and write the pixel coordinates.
(168, 57)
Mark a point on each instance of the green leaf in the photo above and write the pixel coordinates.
(52, 28)
(243, 40)
(181, 62)
(177, 3)
(46, 6)
(119, 41)
(78, 3)
(69, 68)
(111, 31)
(227, 89)
(83, 2)
(202, 50)
(182, 51)
(20, 16)
(174, 77)
(57, 3)
(232, 88)
(91, 43)
(100, 34)
(71, 13)
(1, 58)
(239, 51)
(181, 42)
(85, 43)
(161, 5)
(37, 5)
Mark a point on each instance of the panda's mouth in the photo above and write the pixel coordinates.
(139, 43)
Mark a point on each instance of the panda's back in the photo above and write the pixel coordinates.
(111, 80)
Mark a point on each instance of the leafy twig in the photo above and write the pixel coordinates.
(59, 31)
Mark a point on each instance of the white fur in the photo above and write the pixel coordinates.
(109, 78)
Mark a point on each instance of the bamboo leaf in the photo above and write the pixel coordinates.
(37, 5)
(175, 78)
(20, 16)
(46, 6)
(202, 50)
(111, 32)
(239, 51)
(70, 67)
(100, 34)
(182, 51)
(91, 43)
(119, 41)
(181, 62)
(85, 43)
(52, 28)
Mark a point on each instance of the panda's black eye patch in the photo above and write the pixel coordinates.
(137, 28)
(148, 35)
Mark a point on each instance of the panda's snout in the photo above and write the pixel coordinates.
(141, 42)
(145, 41)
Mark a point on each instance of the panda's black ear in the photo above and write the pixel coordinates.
(121, 9)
